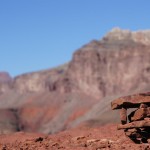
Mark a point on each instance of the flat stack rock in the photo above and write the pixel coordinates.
(139, 119)
(131, 101)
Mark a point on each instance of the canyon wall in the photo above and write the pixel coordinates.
(56, 99)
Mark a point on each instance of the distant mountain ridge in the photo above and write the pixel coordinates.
(52, 100)
(5, 77)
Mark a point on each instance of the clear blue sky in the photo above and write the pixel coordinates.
(40, 34)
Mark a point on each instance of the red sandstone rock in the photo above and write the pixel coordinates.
(123, 115)
(140, 114)
(75, 139)
(131, 101)
(135, 124)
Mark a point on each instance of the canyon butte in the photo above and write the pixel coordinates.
(77, 95)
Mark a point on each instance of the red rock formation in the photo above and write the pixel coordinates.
(103, 69)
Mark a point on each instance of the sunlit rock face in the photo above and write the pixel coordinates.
(117, 64)
(141, 36)
(38, 81)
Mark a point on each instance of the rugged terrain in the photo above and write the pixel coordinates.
(81, 138)
(80, 91)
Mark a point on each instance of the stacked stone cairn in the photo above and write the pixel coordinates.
(136, 124)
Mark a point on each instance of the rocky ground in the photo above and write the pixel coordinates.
(81, 138)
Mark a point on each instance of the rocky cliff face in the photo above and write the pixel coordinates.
(38, 81)
(117, 64)
(64, 97)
